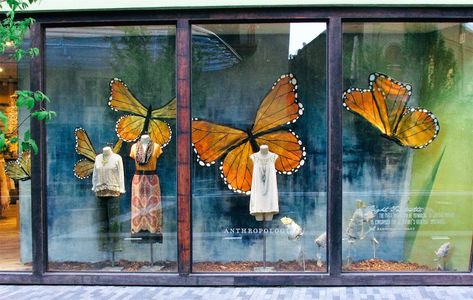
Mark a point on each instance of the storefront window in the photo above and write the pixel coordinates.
(111, 150)
(15, 172)
(407, 147)
(259, 137)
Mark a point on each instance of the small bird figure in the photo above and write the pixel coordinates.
(321, 240)
(442, 253)
(294, 231)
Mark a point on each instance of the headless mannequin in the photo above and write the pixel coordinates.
(110, 227)
(264, 151)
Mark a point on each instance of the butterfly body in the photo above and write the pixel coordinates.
(278, 109)
(139, 118)
(384, 106)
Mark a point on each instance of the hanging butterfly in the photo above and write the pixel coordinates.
(84, 167)
(19, 169)
(131, 126)
(384, 105)
(278, 109)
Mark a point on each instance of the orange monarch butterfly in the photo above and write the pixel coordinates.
(131, 126)
(384, 105)
(84, 167)
(19, 169)
(278, 109)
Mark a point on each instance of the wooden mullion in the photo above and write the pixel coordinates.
(183, 62)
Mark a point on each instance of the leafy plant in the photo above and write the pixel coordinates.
(12, 34)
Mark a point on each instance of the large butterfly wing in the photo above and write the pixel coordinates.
(391, 97)
(288, 147)
(363, 103)
(83, 168)
(160, 132)
(122, 99)
(237, 168)
(84, 145)
(168, 111)
(129, 127)
(279, 106)
(19, 169)
(211, 141)
(417, 129)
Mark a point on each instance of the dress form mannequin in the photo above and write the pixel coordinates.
(264, 194)
(146, 209)
(108, 183)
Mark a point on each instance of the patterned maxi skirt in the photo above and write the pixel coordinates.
(146, 210)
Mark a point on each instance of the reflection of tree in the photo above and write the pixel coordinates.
(427, 53)
(146, 63)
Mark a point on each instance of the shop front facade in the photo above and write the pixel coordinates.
(312, 145)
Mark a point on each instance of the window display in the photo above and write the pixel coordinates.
(115, 215)
(406, 151)
(264, 205)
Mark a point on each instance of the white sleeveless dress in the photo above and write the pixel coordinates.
(264, 189)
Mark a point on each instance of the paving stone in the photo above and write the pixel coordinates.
(9, 292)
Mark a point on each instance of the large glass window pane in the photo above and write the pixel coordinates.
(259, 136)
(15, 183)
(111, 150)
(407, 147)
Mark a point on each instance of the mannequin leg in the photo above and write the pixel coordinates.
(114, 225)
(102, 224)
(268, 216)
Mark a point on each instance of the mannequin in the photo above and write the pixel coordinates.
(264, 190)
(146, 210)
(108, 183)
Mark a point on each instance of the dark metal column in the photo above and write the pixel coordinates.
(334, 110)
(38, 167)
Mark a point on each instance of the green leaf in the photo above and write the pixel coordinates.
(14, 140)
(4, 120)
(27, 135)
(2, 141)
(34, 146)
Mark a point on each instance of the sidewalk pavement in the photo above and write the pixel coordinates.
(12, 292)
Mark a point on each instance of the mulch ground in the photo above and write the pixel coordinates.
(380, 265)
(370, 265)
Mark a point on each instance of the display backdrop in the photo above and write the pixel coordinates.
(225, 236)
(80, 63)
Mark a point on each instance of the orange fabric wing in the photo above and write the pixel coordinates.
(279, 106)
(363, 103)
(211, 141)
(417, 129)
(159, 132)
(84, 145)
(129, 127)
(122, 99)
(168, 111)
(83, 168)
(237, 169)
(288, 147)
(391, 97)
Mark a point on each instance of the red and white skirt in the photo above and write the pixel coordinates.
(146, 210)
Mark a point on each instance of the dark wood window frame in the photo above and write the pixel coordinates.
(183, 20)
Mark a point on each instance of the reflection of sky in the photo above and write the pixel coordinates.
(469, 26)
(303, 33)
